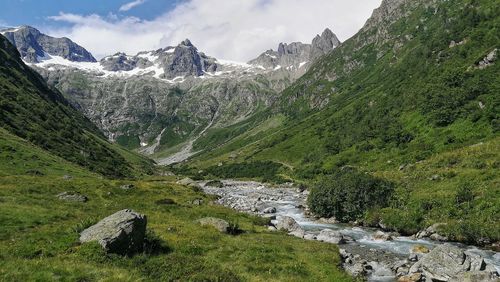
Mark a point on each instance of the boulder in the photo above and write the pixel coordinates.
(269, 210)
(331, 220)
(217, 223)
(437, 237)
(287, 223)
(72, 197)
(331, 236)
(122, 232)
(382, 236)
(447, 261)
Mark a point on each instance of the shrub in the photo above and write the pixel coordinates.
(347, 195)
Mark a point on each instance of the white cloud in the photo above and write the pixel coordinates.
(131, 5)
(237, 30)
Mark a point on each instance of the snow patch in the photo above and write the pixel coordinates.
(302, 64)
(277, 67)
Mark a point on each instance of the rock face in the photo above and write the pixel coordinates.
(217, 223)
(35, 46)
(323, 44)
(122, 232)
(447, 261)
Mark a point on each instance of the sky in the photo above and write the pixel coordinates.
(237, 30)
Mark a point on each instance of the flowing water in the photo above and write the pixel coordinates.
(254, 197)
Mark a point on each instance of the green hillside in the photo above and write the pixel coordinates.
(413, 86)
(30, 110)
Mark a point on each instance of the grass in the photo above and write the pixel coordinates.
(39, 233)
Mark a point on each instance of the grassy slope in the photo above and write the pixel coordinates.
(413, 99)
(29, 109)
(39, 241)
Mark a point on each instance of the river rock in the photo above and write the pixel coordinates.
(269, 210)
(219, 224)
(420, 249)
(72, 197)
(475, 276)
(447, 261)
(433, 229)
(288, 224)
(382, 236)
(331, 220)
(437, 237)
(122, 232)
(331, 236)
(415, 277)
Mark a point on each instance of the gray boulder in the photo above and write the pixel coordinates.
(382, 236)
(288, 224)
(447, 261)
(72, 197)
(331, 236)
(122, 232)
(217, 223)
(475, 276)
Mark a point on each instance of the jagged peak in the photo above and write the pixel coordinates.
(187, 43)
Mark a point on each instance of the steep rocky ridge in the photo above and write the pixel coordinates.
(35, 47)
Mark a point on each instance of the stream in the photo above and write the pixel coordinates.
(255, 197)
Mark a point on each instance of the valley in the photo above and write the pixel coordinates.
(372, 159)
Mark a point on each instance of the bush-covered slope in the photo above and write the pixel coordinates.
(419, 81)
(30, 110)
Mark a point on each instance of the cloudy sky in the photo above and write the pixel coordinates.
(229, 29)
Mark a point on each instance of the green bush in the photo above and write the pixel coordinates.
(347, 195)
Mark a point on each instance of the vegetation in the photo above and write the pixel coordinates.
(39, 232)
(264, 170)
(348, 195)
(397, 98)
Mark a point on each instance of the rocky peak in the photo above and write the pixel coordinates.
(297, 56)
(187, 43)
(324, 43)
(34, 46)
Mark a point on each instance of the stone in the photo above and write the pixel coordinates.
(382, 236)
(437, 237)
(197, 202)
(331, 220)
(475, 276)
(186, 181)
(122, 232)
(310, 236)
(272, 228)
(288, 224)
(269, 210)
(420, 249)
(415, 277)
(127, 187)
(72, 197)
(442, 263)
(219, 224)
(67, 177)
(331, 236)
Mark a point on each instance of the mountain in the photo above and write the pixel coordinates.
(408, 98)
(297, 56)
(159, 101)
(32, 110)
(35, 47)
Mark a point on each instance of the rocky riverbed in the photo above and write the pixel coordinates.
(369, 252)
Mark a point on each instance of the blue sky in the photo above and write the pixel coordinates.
(37, 12)
(237, 30)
